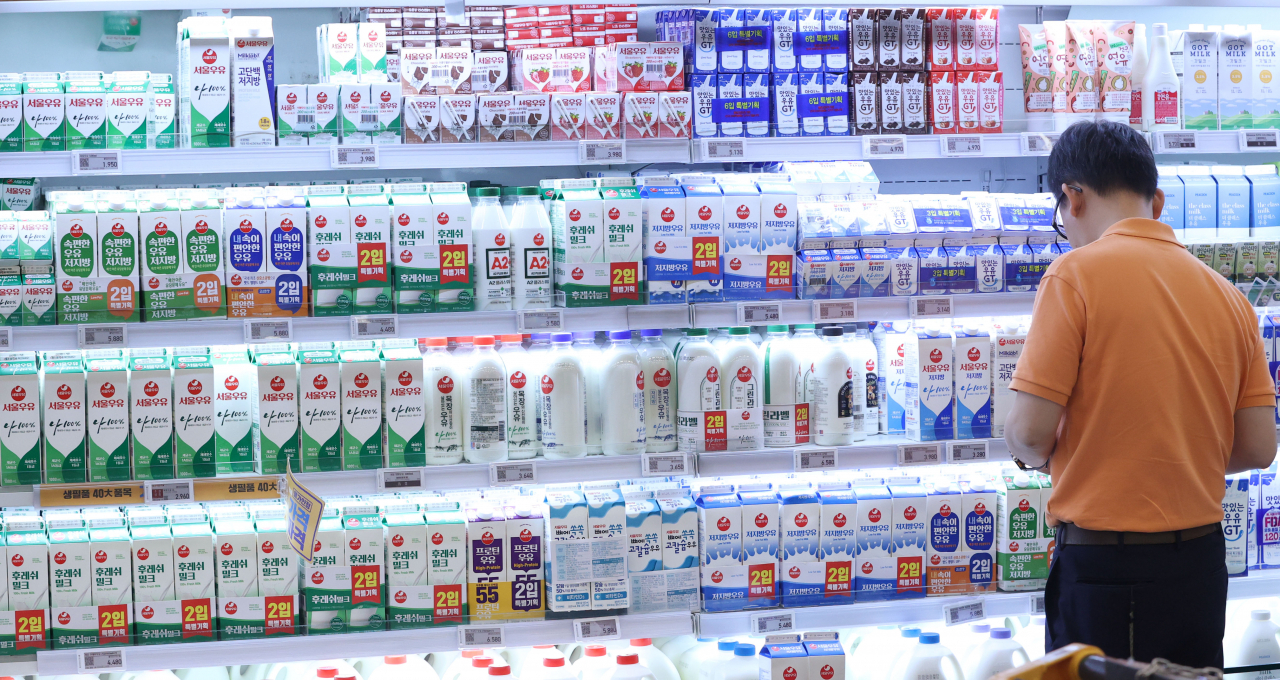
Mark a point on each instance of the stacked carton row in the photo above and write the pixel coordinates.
(87, 110)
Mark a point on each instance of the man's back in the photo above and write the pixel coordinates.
(1166, 354)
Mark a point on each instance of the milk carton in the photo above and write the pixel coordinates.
(278, 563)
(359, 116)
(153, 555)
(107, 415)
(1200, 203)
(1200, 79)
(44, 114)
(798, 543)
(62, 393)
(1265, 101)
(361, 410)
(929, 390)
(285, 233)
(679, 532)
(160, 235)
(128, 104)
(403, 405)
(838, 542)
(325, 100)
(447, 527)
(1022, 560)
(234, 380)
(1233, 202)
(275, 411)
(486, 544)
(193, 413)
(236, 558)
(162, 127)
(338, 56)
(27, 566)
(724, 582)
(70, 575)
(204, 83)
(947, 569)
(112, 561)
(783, 656)
(895, 377)
(200, 234)
(644, 536)
(978, 532)
(910, 536)
(11, 118)
(253, 91)
(408, 543)
(606, 527)
(1235, 510)
(193, 551)
(245, 217)
(1009, 341)
(973, 379)
(20, 419)
(524, 559)
(1235, 78)
(761, 526)
(151, 414)
(371, 55)
(319, 410)
(118, 237)
(86, 115)
(875, 574)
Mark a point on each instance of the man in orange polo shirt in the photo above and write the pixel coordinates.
(1143, 383)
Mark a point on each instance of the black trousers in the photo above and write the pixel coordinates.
(1141, 601)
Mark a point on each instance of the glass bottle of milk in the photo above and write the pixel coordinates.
(833, 404)
(531, 251)
(563, 389)
(781, 368)
(522, 385)
(492, 238)
(622, 390)
(698, 374)
(443, 382)
(484, 436)
(659, 393)
(584, 343)
(863, 353)
(740, 361)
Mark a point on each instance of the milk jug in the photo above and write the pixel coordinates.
(584, 344)
(656, 661)
(834, 403)
(622, 385)
(1256, 645)
(782, 383)
(629, 667)
(492, 240)
(741, 666)
(594, 663)
(698, 374)
(443, 382)
(484, 435)
(563, 389)
(928, 661)
(740, 364)
(555, 669)
(531, 251)
(659, 393)
(402, 667)
(522, 386)
(1000, 653)
(690, 663)
(863, 352)
(808, 347)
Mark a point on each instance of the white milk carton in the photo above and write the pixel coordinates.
(27, 565)
(236, 556)
(193, 413)
(204, 83)
(783, 657)
(107, 415)
(1008, 343)
(338, 56)
(112, 561)
(245, 220)
(407, 545)
(62, 392)
(1236, 78)
(679, 532)
(838, 546)
(946, 565)
(875, 571)
(371, 54)
(724, 582)
(275, 411)
(798, 544)
(153, 555)
(70, 571)
(447, 527)
(742, 218)
(20, 424)
(151, 415)
(894, 370)
(253, 89)
(160, 235)
(361, 410)
(1022, 559)
(644, 536)
(1235, 511)
(319, 407)
(910, 536)
(235, 388)
(761, 529)
(568, 559)
(285, 229)
(118, 236)
(929, 388)
(607, 531)
(193, 551)
(328, 123)
(201, 234)
(278, 563)
(973, 381)
(978, 507)
(403, 406)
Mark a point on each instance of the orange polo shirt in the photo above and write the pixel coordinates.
(1151, 353)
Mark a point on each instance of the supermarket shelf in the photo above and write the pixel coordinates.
(22, 665)
(880, 451)
(320, 647)
(713, 315)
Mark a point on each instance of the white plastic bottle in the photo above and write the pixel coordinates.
(584, 343)
(654, 660)
(929, 661)
(782, 380)
(492, 238)
(863, 353)
(741, 370)
(673, 647)
(459, 665)
(711, 665)
(1141, 55)
(741, 666)
(594, 662)
(532, 667)
(1256, 645)
(522, 386)
(479, 668)
(622, 393)
(530, 252)
(1032, 637)
(875, 655)
(443, 382)
(690, 663)
(564, 401)
(539, 353)
(485, 432)
(808, 346)
(628, 667)
(999, 653)
(402, 667)
(698, 374)
(555, 669)
(833, 405)
(659, 366)
(1161, 101)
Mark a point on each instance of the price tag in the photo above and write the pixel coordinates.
(882, 146)
(513, 472)
(367, 327)
(664, 464)
(6, 338)
(962, 145)
(168, 491)
(471, 637)
(773, 622)
(723, 149)
(815, 459)
(1259, 140)
(347, 156)
(1037, 143)
(535, 320)
(962, 612)
(602, 151)
(268, 330)
(1037, 603)
(835, 310)
(96, 162)
(99, 660)
(919, 454)
(590, 630)
(1181, 140)
(102, 335)
(931, 307)
(399, 478)
(976, 451)
(759, 313)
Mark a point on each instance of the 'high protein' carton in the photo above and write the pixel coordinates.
(62, 392)
(253, 91)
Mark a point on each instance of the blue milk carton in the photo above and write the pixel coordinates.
(784, 28)
(783, 657)
(894, 370)
(760, 540)
(703, 88)
(1234, 207)
(876, 267)
(875, 573)
(785, 116)
(1267, 521)
(729, 86)
(679, 532)
(1265, 191)
(808, 23)
(836, 102)
(705, 57)
(904, 262)
(988, 263)
(1174, 197)
(607, 531)
(798, 543)
(978, 535)
(930, 385)
(741, 218)
(948, 567)
(846, 279)
(644, 536)
(934, 272)
(1200, 201)
(568, 559)
(759, 23)
(1235, 512)
(1018, 275)
(837, 543)
(826, 656)
(835, 26)
(1042, 255)
(779, 214)
(972, 382)
(757, 86)
(813, 121)
(728, 44)
(724, 581)
(814, 267)
(910, 535)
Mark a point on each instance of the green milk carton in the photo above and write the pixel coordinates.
(403, 402)
(361, 407)
(35, 235)
(275, 410)
(319, 407)
(10, 295)
(162, 118)
(71, 575)
(1022, 554)
(11, 120)
(118, 237)
(62, 393)
(151, 413)
(193, 412)
(19, 419)
(86, 114)
(107, 414)
(38, 294)
(75, 235)
(234, 380)
(44, 116)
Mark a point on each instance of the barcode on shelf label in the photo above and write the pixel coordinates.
(602, 151)
(835, 310)
(880, 146)
(168, 491)
(919, 454)
(1038, 143)
(1177, 141)
(512, 472)
(99, 660)
(1037, 603)
(471, 637)
(935, 306)
(588, 630)
(773, 622)
(962, 612)
(1259, 140)
(977, 451)
(98, 162)
(102, 335)
(759, 313)
(354, 156)
(6, 338)
(664, 464)
(723, 149)
(815, 459)
(534, 320)
(399, 478)
(368, 327)
(962, 145)
(268, 330)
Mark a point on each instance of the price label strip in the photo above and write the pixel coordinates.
(835, 310)
(99, 336)
(100, 660)
(1178, 141)
(962, 145)
(590, 630)
(399, 478)
(1037, 143)
(937, 306)
(539, 320)
(759, 313)
(773, 622)
(168, 491)
(1037, 603)
(268, 330)
(1259, 140)
(920, 454)
(472, 637)
(97, 162)
(368, 327)
(602, 152)
(815, 459)
(723, 149)
(664, 464)
(975, 451)
(963, 612)
(884, 146)
(513, 472)
(346, 156)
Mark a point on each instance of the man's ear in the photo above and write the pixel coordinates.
(1157, 204)
(1074, 201)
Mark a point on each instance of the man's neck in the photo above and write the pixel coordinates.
(1104, 214)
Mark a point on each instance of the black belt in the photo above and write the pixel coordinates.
(1070, 534)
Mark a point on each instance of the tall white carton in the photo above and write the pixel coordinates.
(978, 505)
(193, 413)
(568, 559)
(253, 90)
(972, 383)
(70, 571)
(160, 235)
(328, 119)
(76, 235)
(799, 545)
(275, 412)
(236, 556)
(1200, 79)
(62, 393)
(946, 563)
(204, 83)
(361, 410)
(679, 532)
(118, 236)
(338, 53)
(245, 220)
(319, 408)
(1022, 558)
(1008, 343)
(486, 544)
(286, 232)
(929, 388)
(371, 52)
(153, 555)
(112, 560)
(404, 407)
(19, 418)
(724, 584)
(151, 415)
(875, 571)
(235, 385)
(524, 562)
(1235, 78)
(761, 529)
(107, 414)
(201, 234)
(607, 531)
(27, 566)
(1235, 512)
(408, 543)
(910, 535)
(837, 539)
(278, 563)
(447, 527)
(193, 555)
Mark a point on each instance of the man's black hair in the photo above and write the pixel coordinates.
(1103, 156)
